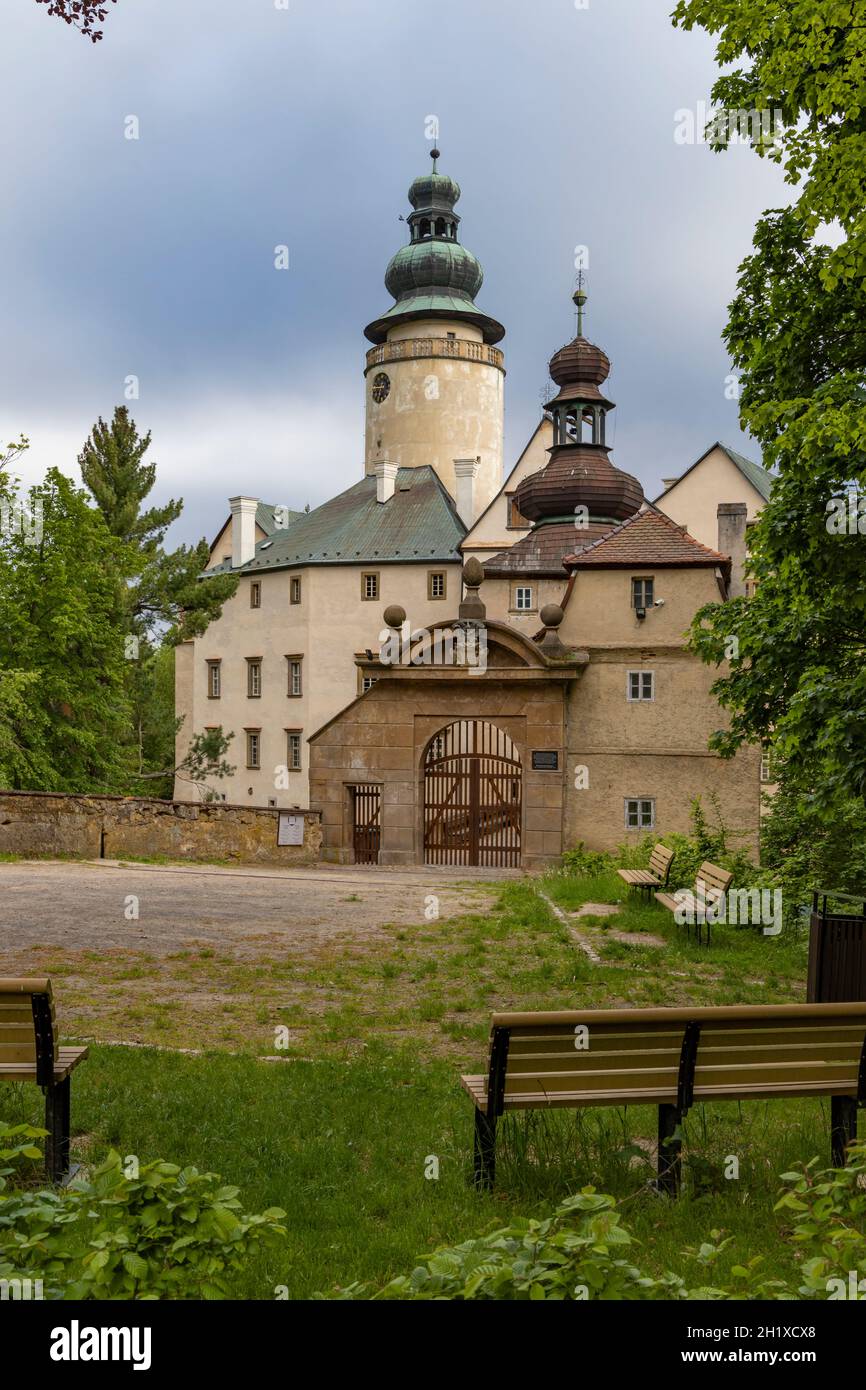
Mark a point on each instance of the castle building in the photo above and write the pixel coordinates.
(456, 667)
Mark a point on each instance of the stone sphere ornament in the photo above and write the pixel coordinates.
(395, 616)
(552, 615)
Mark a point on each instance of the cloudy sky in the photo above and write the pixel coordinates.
(261, 125)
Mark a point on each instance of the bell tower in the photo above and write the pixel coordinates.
(435, 377)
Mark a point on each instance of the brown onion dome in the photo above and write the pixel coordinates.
(580, 361)
(579, 476)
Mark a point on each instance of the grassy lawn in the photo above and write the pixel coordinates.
(337, 1132)
(434, 985)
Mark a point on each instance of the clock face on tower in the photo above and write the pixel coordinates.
(381, 387)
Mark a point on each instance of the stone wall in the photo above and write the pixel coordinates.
(109, 827)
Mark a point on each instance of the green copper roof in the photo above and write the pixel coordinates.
(434, 276)
(265, 517)
(417, 525)
(757, 476)
(760, 478)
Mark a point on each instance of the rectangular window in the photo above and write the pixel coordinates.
(436, 584)
(295, 589)
(256, 594)
(516, 522)
(523, 599)
(640, 813)
(214, 680)
(294, 750)
(254, 747)
(254, 677)
(642, 593)
(751, 586)
(367, 683)
(296, 682)
(769, 768)
(641, 685)
(370, 585)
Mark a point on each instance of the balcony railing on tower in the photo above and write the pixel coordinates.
(465, 349)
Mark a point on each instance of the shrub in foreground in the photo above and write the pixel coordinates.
(129, 1232)
(583, 1251)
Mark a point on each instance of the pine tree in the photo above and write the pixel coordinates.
(168, 599)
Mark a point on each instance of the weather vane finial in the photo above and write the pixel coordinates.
(580, 298)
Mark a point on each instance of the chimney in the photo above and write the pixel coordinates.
(386, 477)
(243, 529)
(465, 471)
(732, 541)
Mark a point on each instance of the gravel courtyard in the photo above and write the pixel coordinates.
(197, 956)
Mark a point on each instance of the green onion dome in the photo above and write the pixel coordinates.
(434, 265)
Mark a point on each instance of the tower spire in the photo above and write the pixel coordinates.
(580, 297)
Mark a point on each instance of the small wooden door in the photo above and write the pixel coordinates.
(367, 823)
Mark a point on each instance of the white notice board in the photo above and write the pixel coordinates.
(291, 829)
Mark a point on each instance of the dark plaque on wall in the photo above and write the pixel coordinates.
(545, 762)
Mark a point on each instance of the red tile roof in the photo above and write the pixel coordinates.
(650, 538)
(540, 553)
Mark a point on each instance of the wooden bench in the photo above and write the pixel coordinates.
(656, 876)
(671, 1058)
(30, 1051)
(710, 884)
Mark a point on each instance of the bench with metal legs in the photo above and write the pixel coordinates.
(671, 1058)
(29, 1051)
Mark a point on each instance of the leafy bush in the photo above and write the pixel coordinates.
(583, 1251)
(805, 848)
(706, 841)
(587, 863)
(161, 1232)
(578, 1252)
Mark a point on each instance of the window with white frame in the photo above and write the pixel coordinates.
(642, 593)
(641, 685)
(369, 585)
(640, 813)
(295, 589)
(214, 680)
(254, 677)
(254, 747)
(294, 750)
(523, 598)
(769, 770)
(436, 587)
(296, 681)
(367, 683)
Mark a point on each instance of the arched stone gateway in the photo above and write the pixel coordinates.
(473, 797)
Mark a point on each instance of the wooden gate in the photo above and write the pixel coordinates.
(366, 823)
(473, 796)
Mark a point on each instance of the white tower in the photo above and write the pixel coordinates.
(435, 379)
